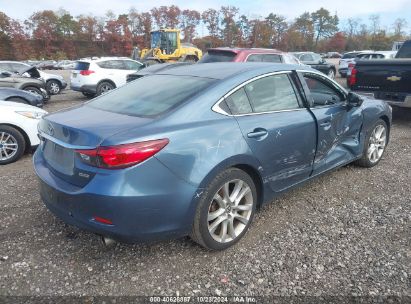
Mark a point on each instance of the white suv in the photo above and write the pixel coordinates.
(97, 76)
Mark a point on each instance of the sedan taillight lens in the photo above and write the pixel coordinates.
(86, 72)
(122, 156)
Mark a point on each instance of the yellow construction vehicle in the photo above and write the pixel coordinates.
(167, 47)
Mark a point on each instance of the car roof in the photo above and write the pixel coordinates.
(223, 70)
(247, 50)
(95, 59)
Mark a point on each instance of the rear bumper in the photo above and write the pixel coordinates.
(89, 88)
(144, 203)
(343, 72)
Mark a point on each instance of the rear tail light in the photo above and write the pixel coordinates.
(122, 156)
(86, 72)
(352, 80)
(102, 220)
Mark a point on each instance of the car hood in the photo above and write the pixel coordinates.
(32, 71)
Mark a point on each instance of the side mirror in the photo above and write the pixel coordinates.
(354, 100)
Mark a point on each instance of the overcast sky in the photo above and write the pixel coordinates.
(389, 10)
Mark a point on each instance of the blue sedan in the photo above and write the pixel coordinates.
(195, 150)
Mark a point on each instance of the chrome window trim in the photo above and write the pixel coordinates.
(216, 107)
(62, 143)
(325, 76)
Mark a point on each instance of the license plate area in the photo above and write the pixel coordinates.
(58, 157)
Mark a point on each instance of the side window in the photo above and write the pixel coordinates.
(323, 92)
(117, 65)
(132, 65)
(306, 58)
(272, 93)
(5, 66)
(272, 58)
(238, 103)
(255, 58)
(105, 64)
(16, 67)
(112, 64)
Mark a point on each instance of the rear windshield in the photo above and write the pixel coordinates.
(217, 56)
(82, 66)
(349, 55)
(151, 95)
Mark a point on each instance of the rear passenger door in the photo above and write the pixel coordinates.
(278, 129)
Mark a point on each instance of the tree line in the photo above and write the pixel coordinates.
(59, 35)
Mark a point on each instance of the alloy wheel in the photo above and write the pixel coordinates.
(8, 146)
(54, 88)
(377, 143)
(230, 211)
(105, 88)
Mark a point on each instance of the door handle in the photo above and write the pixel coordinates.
(259, 132)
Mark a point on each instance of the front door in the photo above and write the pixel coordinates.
(280, 132)
(338, 124)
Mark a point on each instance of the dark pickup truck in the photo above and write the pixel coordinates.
(389, 80)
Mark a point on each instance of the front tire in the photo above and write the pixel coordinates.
(53, 87)
(12, 145)
(225, 210)
(375, 144)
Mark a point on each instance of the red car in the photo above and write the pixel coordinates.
(247, 55)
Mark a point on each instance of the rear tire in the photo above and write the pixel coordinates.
(104, 87)
(374, 145)
(225, 210)
(12, 145)
(53, 87)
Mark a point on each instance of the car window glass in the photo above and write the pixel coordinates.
(255, 58)
(16, 67)
(290, 59)
(238, 103)
(272, 93)
(145, 97)
(316, 57)
(322, 91)
(5, 66)
(132, 65)
(272, 58)
(306, 57)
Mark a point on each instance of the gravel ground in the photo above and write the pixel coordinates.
(345, 233)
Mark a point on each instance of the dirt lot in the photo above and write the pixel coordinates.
(345, 233)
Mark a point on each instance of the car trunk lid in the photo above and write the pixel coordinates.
(81, 128)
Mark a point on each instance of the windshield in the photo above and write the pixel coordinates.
(151, 95)
(155, 39)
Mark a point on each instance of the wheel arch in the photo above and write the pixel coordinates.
(107, 80)
(245, 163)
(387, 121)
(25, 136)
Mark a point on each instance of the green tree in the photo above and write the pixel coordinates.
(325, 25)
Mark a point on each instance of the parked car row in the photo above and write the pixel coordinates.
(52, 64)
